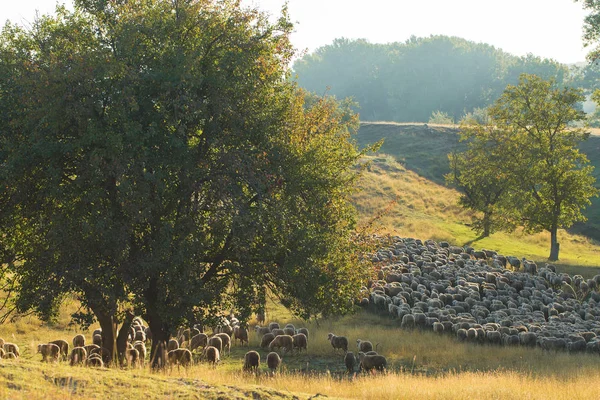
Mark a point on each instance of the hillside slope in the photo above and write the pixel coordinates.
(424, 149)
(405, 203)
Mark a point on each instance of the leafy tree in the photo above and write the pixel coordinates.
(482, 174)
(154, 157)
(529, 146)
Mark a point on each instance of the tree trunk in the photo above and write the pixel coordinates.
(160, 338)
(123, 334)
(554, 245)
(487, 222)
(109, 333)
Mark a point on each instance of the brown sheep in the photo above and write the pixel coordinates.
(240, 334)
(273, 325)
(273, 361)
(12, 348)
(350, 362)
(211, 354)
(300, 342)
(172, 345)
(285, 341)
(49, 350)
(79, 341)
(266, 340)
(140, 335)
(338, 342)
(141, 348)
(226, 339)
(303, 330)
(94, 360)
(278, 332)
(97, 332)
(368, 363)
(181, 357)
(132, 356)
(261, 330)
(9, 356)
(251, 361)
(364, 345)
(64, 347)
(199, 340)
(78, 356)
(289, 331)
(103, 353)
(97, 340)
(91, 347)
(215, 342)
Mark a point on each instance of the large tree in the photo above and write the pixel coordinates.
(155, 155)
(530, 145)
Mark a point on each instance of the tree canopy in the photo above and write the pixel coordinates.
(155, 156)
(528, 155)
(408, 81)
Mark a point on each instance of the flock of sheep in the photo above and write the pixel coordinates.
(484, 297)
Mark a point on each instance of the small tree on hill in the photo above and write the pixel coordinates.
(154, 156)
(529, 152)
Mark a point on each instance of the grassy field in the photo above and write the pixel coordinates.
(421, 364)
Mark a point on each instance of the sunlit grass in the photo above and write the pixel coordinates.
(416, 207)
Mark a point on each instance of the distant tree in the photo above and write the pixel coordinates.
(550, 180)
(155, 158)
(440, 117)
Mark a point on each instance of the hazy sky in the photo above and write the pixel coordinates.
(548, 28)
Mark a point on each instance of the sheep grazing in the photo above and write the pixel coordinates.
(364, 345)
(261, 330)
(199, 340)
(172, 345)
(140, 336)
(211, 354)
(94, 360)
(49, 350)
(350, 362)
(78, 356)
(278, 332)
(141, 348)
(91, 348)
(376, 361)
(285, 341)
(289, 331)
(273, 361)
(181, 357)
(215, 342)
(240, 334)
(300, 342)
(97, 340)
(251, 361)
(78, 341)
(273, 325)
(303, 330)
(12, 348)
(338, 342)
(226, 342)
(266, 340)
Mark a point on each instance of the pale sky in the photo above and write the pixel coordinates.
(547, 28)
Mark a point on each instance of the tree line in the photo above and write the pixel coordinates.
(409, 81)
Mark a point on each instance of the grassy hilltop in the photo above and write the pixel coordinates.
(423, 150)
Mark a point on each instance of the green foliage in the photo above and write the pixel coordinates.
(529, 146)
(155, 155)
(440, 117)
(409, 81)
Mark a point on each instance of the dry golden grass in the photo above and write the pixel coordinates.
(416, 207)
